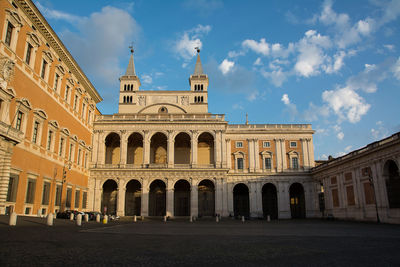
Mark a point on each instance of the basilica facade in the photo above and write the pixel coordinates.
(163, 153)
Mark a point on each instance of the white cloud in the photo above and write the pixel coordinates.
(389, 47)
(56, 14)
(346, 103)
(396, 69)
(340, 135)
(285, 99)
(226, 66)
(185, 45)
(238, 106)
(380, 131)
(257, 62)
(277, 76)
(261, 47)
(146, 79)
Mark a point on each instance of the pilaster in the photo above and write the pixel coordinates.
(124, 146)
(146, 148)
(194, 148)
(121, 200)
(170, 199)
(304, 149)
(145, 199)
(251, 154)
(257, 155)
(217, 146)
(228, 154)
(170, 149)
(283, 149)
(194, 206)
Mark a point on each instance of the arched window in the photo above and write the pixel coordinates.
(124, 87)
(195, 99)
(163, 110)
(124, 99)
(195, 87)
(130, 99)
(131, 87)
(392, 179)
(202, 99)
(201, 88)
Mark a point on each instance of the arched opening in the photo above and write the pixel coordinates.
(201, 88)
(158, 149)
(195, 87)
(270, 201)
(133, 197)
(182, 198)
(182, 149)
(109, 197)
(205, 149)
(297, 201)
(112, 148)
(241, 203)
(135, 149)
(124, 99)
(206, 198)
(392, 179)
(124, 87)
(157, 198)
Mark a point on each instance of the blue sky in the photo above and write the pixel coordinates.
(334, 64)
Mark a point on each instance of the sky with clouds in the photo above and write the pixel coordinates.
(334, 64)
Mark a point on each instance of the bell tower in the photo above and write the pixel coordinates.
(199, 83)
(129, 82)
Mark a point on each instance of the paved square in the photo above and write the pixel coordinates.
(205, 242)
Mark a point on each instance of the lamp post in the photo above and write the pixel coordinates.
(64, 176)
(371, 181)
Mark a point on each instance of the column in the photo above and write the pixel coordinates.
(225, 191)
(304, 148)
(218, 196)
(223, 149)
(101, 154)
(194, 198)
(217, 149)
(257, 155)
(250, 154)
(252, 198)
(144, 205)
(278, 155)
(170, 150)
(146, 148)
(97, 195)
(259, 198)
(124, 147)
(230, 198)
(121, 200)
(283, 149)
(283, 200)
(5, 167)
(228, 154)
(95, 147)
(310, 151)
(194, 148)
(170, 199)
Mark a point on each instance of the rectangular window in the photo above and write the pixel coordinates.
(79, 156)
(56, 81)
(71, 146)
(68, 200)
(89, 115)
(10, 29)
(295, 163)
(335, 198)
(30, 191)
(35, 132)
(46, 193)
(85, 164)
(240, 163)
(28, 54)
(75, 102)
(58, 195)
(84, 200)
(239, 144)
(44, 66)
(266, 144)
(61, 150)
(293, 144)
(369, 193)
(350, 195)
(19, 120)
(268, 163)
(49, 140)
(66, 93)
(77, 198)
(12, 188)
(83, 110)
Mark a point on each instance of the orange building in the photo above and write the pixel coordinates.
(47, 107)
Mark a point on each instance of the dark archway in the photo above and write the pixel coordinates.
(182, 149)
(270, 201)
(109, 197)
(157, 198)
(205, 149)
(158, 149)
(135, 149)
(241, 203)
(182, 198)
(112, 144)
(392, 179)
(133, 198)
(206, 198)
(297, 201)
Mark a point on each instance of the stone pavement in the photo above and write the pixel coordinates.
(205, 242)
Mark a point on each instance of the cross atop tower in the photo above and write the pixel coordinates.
(131, 48)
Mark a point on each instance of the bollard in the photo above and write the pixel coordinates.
(98, 218)
(217, 218)
(13, 219)
(165, 218)
(86, 217)
(39, 214)
(268, 218)
(191, 219)
(50, 219)
(105, 219)
(243, 219)
(134, 218)
(79, 219)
